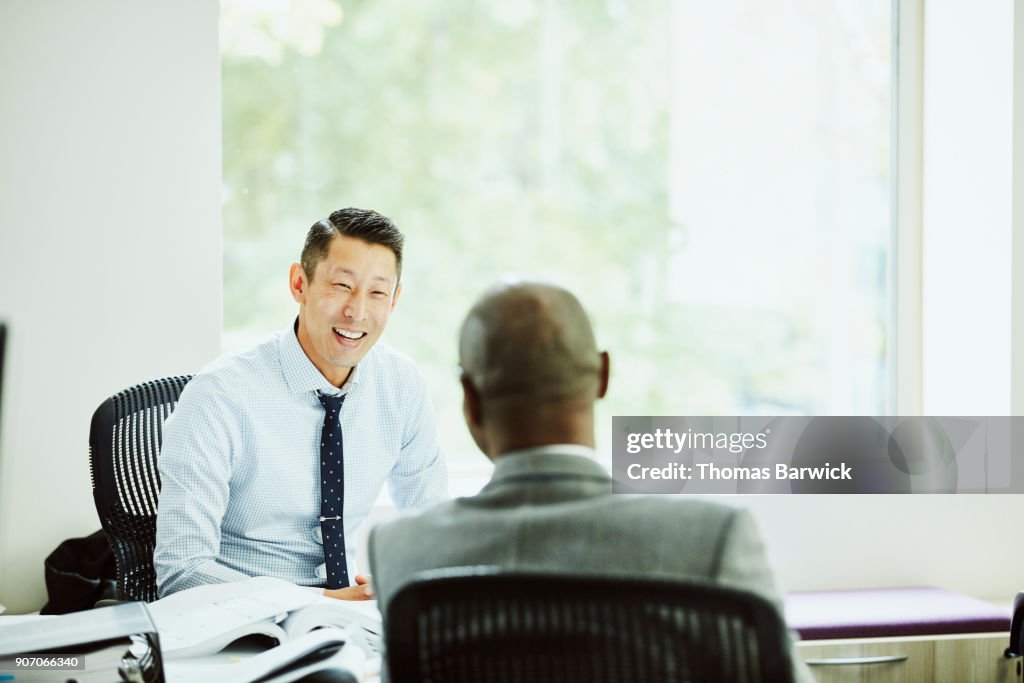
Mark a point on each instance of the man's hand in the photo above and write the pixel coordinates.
(363, 590)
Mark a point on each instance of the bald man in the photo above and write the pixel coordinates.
(531, 372)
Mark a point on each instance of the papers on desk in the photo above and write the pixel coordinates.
(321, 650)
(313, 630)
(205, 619)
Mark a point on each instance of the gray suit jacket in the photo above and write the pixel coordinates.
(555, 512)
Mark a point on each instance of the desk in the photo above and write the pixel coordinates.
(925, 634)
(914, 659)
(902, 634)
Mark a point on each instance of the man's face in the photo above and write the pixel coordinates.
(345, 304)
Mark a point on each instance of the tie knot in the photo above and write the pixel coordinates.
(331, 401)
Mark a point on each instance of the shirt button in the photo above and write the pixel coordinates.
(321, 571)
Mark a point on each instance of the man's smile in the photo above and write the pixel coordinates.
(346, 335)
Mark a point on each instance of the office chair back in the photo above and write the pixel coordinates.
(124, 442)
(481, 625)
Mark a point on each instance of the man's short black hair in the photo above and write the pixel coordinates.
(363, 224)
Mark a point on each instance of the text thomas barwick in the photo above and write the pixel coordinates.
(707, 470)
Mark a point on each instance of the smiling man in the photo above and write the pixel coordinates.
(274, 456)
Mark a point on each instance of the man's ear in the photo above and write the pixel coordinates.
(394, 299)
(473, 411)
(604, 374)
(472, 406)
(298, 283)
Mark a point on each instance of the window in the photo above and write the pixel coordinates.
(712, 180)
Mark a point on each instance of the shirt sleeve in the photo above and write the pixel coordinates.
(195, 466)
(419, 478)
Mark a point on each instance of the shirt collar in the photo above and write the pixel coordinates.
(563, 448)
(300, 373)
(555, 459)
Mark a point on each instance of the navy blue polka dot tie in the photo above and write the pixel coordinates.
(332, 492)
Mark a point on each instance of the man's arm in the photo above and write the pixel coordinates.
(744, 564)
(200, 437)
(743, 561)
(419, 477)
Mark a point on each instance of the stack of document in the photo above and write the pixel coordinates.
(313, 632)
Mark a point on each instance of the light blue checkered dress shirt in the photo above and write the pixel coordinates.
(240, 463)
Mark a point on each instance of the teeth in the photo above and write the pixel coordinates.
(349, 335)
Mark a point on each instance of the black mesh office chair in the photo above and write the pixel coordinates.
(479, 625)
(124, 442)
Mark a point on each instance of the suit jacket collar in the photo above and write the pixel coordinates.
(529, 470)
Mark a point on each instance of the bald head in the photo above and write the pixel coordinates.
(531, 341)
(531, 369)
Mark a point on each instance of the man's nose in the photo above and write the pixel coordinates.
(355, 307)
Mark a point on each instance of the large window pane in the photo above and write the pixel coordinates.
(711, 178)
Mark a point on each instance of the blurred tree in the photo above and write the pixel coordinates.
(529, 137)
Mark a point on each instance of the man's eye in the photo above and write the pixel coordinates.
(379, 293)
(342, 284)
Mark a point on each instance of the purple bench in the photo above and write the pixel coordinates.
(888, 612)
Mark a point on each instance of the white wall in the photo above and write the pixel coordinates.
(110, 240)
(967, 543)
